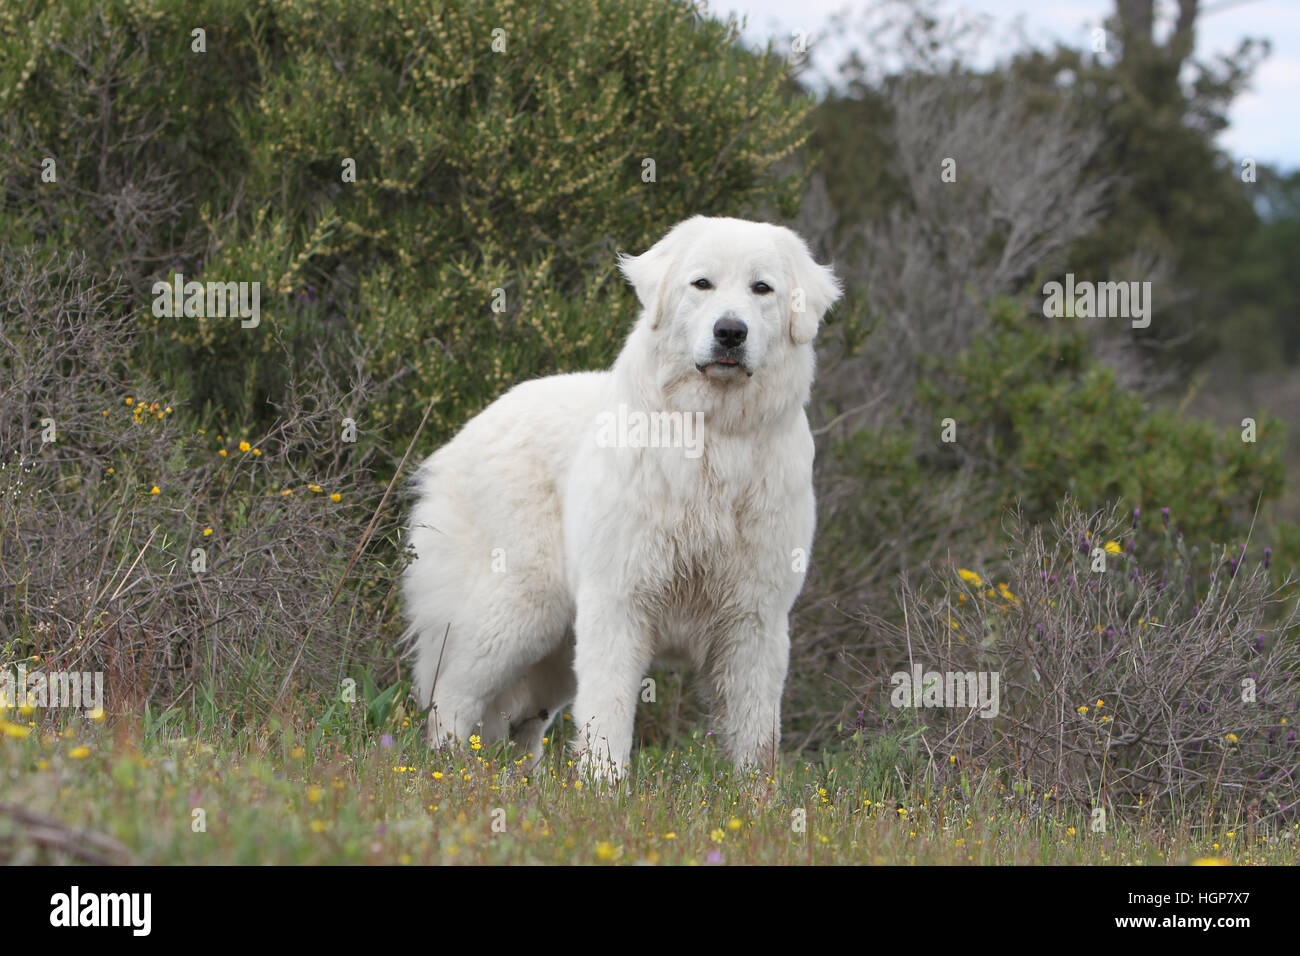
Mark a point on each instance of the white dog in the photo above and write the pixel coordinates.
(583, 526)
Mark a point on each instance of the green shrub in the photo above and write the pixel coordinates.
(516, 169)
(1039, 417)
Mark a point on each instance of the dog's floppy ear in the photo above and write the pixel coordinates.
(649, 273)
(816, 288)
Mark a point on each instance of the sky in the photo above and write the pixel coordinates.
(1265, 120)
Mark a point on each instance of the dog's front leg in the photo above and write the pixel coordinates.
(748, 676)
(611, 658)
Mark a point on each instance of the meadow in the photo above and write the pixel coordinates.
(319, 787)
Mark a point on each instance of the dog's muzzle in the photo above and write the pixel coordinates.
(728, 350)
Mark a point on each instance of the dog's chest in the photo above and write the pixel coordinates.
(711, 529)
(721, 498)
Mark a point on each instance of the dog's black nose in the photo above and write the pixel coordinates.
(730, 332)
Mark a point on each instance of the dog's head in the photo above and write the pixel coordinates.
(733, 299)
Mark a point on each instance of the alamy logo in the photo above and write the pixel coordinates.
(629, 428)
(53, 689)
(952, 689)
(102, 909)
(212, 300)
(1099, 300)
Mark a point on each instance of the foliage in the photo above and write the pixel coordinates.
(1040, 416)
(135, 544)
(1035, 417)
(499, 151)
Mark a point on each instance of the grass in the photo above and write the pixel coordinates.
(325, 786)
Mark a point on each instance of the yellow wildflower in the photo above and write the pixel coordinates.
(16, 731)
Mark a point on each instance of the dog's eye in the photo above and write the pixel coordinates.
(703, 284)
(760, 288)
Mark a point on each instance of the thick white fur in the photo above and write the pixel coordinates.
(552, 566)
